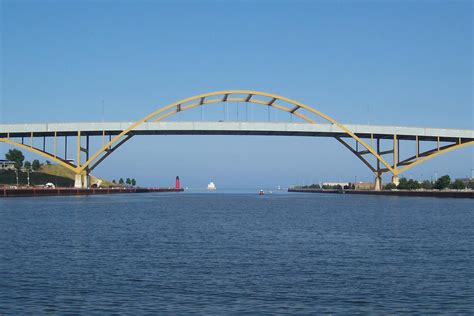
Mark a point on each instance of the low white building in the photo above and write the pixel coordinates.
(7, 165)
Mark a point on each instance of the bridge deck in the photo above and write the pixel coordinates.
(235, 128)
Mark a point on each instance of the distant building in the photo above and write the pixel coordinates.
(364, 186)
(7, 165)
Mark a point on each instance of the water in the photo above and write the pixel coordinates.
(236, 253)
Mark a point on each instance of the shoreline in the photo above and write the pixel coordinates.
(440, 194)
(35, 192)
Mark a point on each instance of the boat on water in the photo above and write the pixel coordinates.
(211, 186)
(261, 192)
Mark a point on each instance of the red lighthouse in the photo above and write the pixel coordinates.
(178, 185)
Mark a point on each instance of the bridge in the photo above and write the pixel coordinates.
(366, 142)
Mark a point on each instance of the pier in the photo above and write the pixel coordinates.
(425, 193)
(10, 192)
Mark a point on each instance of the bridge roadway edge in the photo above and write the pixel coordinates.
(234, 128)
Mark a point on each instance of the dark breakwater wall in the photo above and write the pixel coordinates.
(441, 194)
(5, 192)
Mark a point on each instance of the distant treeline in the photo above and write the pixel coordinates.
(128, 181)
(327, 187)
(441, 183)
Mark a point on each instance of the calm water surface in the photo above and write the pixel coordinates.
(234, 253)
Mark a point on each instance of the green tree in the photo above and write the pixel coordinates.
(413, 185)
(128, 181)
(471, 185)
(134, 182)
(390, 186)
(113, 181)
(27, 165)
(458, 185)
(121, 181)
(16, 156)
(403, 184)
(442, 183)
(36, 165)
(427, 185)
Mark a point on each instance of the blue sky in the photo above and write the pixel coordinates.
(390, 62)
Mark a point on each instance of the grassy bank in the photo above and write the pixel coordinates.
(8, 177)
(56, 174)
(60, 171)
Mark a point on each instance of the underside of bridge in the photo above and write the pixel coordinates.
(367, 147)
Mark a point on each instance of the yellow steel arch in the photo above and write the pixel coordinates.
(41, 153)
(200, 99)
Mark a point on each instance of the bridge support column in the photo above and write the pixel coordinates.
(86, 181)
(82, 181)
(378, 175)
(395, 180)
(78, 181)
(378, 183)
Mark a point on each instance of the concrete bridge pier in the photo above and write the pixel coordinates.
(82, 181)
(395, 180)
(378, 183)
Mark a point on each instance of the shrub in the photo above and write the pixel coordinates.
(458, 185)
(427, 185)
(390, 186)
